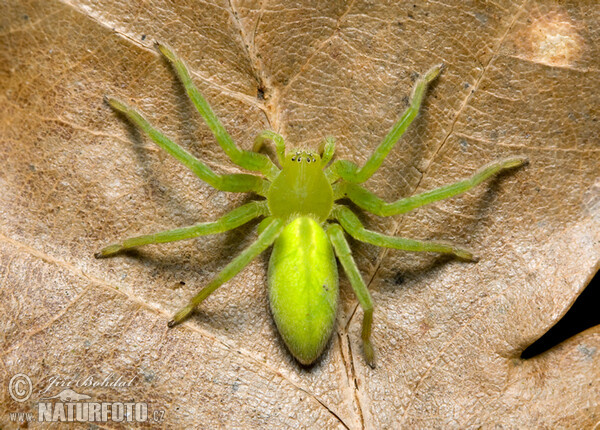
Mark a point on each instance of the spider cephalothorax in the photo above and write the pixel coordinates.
(302, 221)
(301, 188)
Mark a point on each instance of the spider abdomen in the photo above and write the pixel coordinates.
(303, 288)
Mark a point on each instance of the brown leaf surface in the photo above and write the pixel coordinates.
(522, 78)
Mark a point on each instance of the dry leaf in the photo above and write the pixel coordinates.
(522, 78)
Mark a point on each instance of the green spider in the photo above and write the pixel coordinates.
(299, 205)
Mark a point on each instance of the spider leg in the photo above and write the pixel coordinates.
(368, 201)
(326, 150)
(265, 239)
(247, 159)
(276, 138)
(342, 250)
(350, 171)
(350, 222)
(229, 221)
(232, 182)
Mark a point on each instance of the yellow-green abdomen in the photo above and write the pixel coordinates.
(303, 288)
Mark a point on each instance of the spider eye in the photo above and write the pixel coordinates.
(307, 160)
(294, 158)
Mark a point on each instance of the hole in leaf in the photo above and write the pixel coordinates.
(582, 315)
(260, 93)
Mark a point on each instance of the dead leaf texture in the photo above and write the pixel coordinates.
(522, 78)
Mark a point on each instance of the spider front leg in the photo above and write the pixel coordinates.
(247, 159)
(229, 221)
(350, 222)
(368, 201)
(276, 138)
(232, 182)
(265, 239)
(344, 254)
(350, 172)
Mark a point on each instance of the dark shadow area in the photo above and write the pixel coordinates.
(582, 315)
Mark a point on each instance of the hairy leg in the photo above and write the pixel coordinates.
(246, 159)
(265, 239)
(350, 222)
(229, 221)
(234, 182)
(326, 150)
(342, 250)
(350, 172)
(366, 200)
